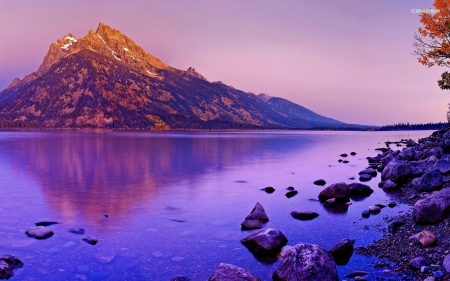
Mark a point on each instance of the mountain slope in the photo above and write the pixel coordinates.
(105, 80)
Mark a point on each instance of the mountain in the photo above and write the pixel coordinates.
(105, 80)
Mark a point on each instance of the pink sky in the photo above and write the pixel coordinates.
(348, 60)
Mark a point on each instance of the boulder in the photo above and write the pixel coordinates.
(446, 146)
(443, 166)
(7, 264)
(269, 189)
(429, 181)
(368, 171)
(266, 242)
(416, 172)
(40, 232)
(303, 216)
(359, 190)
(290, 194)
(389, 185)
(397, 171)
(320, 182)
(256, 219)
(386, 159)
(90, 240)
(306, 262)
(339, 191)
(229, 272)
(329, 203)
(365, 177)
(434, 208)
(344, 155)
(425, 237)
(418, 262)
(343, 251)
(406, 154)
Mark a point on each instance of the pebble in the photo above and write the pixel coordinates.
(365, 214)
(374, 209)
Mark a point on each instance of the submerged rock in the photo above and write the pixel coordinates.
(40, 232)
(304, 215)
(306, 262)
(90, 240)
(256, 219)
(340, 191)
(229, 272)
(343, 251)
(266, 242)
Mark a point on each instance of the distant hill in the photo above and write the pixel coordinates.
(105, 80)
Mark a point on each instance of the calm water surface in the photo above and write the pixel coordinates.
(175, 201)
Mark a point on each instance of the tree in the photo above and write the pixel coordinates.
(432, 44)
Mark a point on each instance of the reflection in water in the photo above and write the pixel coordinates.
(90, 174)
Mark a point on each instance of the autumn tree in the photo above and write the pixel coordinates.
(432, 43)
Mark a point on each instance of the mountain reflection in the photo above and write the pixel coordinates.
(90, 173)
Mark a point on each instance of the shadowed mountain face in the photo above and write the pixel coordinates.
(105, 80)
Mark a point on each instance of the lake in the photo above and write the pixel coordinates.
(175, 200)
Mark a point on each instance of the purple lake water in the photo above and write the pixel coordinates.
(175, 200)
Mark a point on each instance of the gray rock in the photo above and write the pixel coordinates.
(256, 219)
(40, 232)
(397, 171)
(443, 166)
(416, 172)
(438, 274)
(434, 208)
(392, 204)
(389, 185)
(368, 171)
(229, 272)
(431, 278)
(446, 263)
(386, 159)
(90, 240)
(340, 191)
(266, 242)
(418, 262)
(343, 251)
(304, 215)
(306, 262)
(365, 177)
(406, 154)
(429, 181)
(359, 190)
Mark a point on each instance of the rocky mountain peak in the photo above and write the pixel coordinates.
(264, 97)
(191, 71)
(14, 83)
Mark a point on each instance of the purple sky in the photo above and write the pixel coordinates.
(348, 60)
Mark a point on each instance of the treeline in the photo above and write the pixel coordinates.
(407, 126)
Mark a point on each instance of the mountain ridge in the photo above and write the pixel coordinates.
(105, 80)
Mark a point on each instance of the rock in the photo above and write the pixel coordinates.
(268, 189)
(290, 194)
(266, 242)
(374, 209)
(356, 273)
(320, 182)
(290, 188)
(393, 226)
(443, 166)
(46, 223)
(446, 146)
(182, 278)
(418, 262)
(330, 202)
(425, 237)
(446, 263)
(396, 171)
(90, 240)
(425, 269)
(381, 206)
(359, 190)
(340, 160)
(392, 204)
(431, 278)
(343, 251)
(284, 250)
(365, 214)
(7, 264)
(340, 191)
(386, 159)
(76, 230)
(352, 153)
(304, 215)
(438, 274)
(406, 154)
(429, 181)
(345, 161)
(229, 272)
(351, 178)
(365, 177)
(40, 232)
(389, 185)
(368, 171)
(256, 219)
(306, 262)
(344, 155)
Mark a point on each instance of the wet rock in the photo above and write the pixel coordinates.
(290, 188)
(393, 226)
(418, 262)
(320, 182)
(443, 166)
(265, 242)
(365, 214)
(365, 177)
(392, 204)
(381, 206)
(269, 189)
(368, 171)
(40, 232)
(345, 161)
(329, 203)
(359, 190)
(343, 251)
(429, 181)
(397, 171)
(46, 223)
(433, 209)
(389, 185)
(446, 263)
(284, 250)
(425, 237)
(181, 278)
(76, 230)
(291, 194)
(356, 273)
(406, 154)
(352, 153)
(374, 209)
(90, 240)
(340, 191)
(306, 262)
(386, 159)
(304, 215)
(446, 146)
(7, 265)
(256, 219)
(344, 155)
(229, 272)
